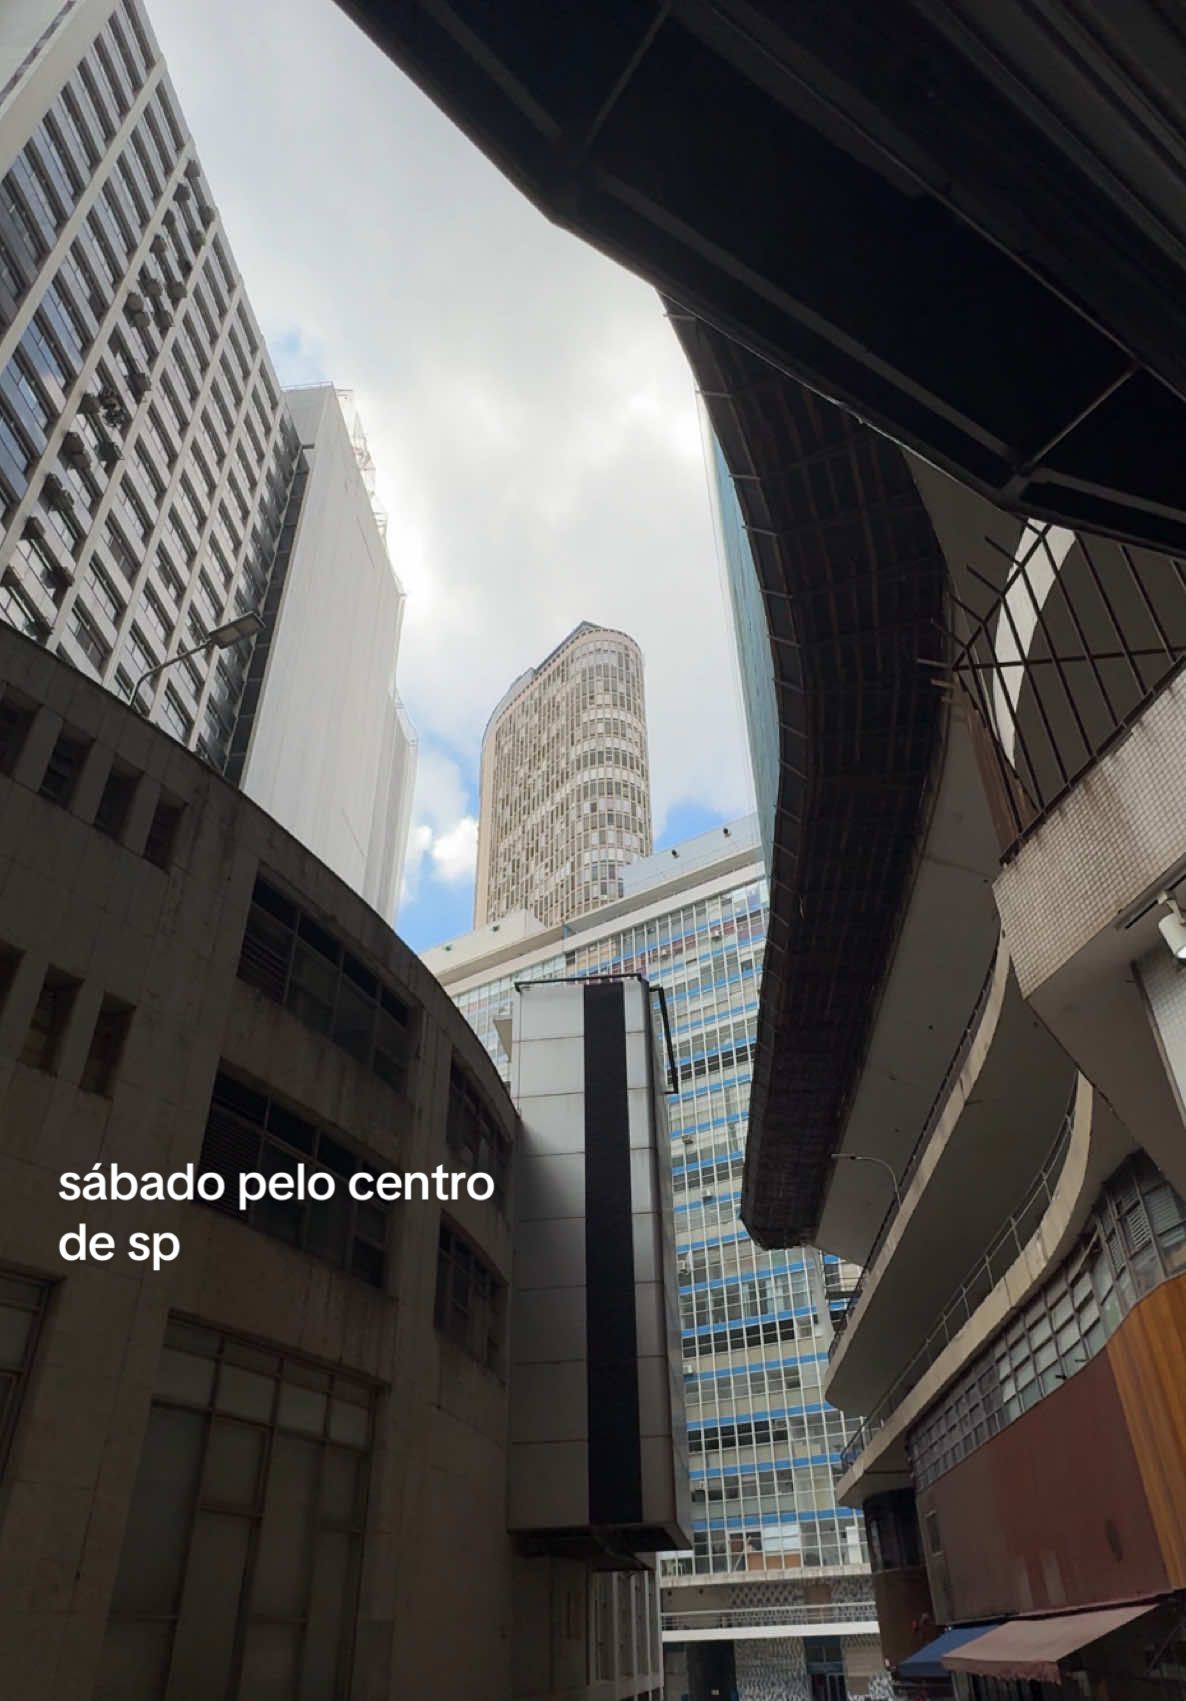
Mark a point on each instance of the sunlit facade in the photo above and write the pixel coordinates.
(755, 1325)
(565, 786)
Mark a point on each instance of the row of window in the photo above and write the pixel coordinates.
(300, 964)
(56, 997)
(63, 769)
(1136, 1239)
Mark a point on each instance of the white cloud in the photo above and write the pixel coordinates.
(455, 853)
(530, 413)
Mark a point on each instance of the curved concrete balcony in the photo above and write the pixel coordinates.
(1030, 1243)
(987, 1136)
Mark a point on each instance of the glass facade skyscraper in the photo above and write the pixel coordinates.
(756, 1325)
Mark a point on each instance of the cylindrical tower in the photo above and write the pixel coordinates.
(566, 790)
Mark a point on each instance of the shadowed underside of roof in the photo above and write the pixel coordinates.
(853, 579)
(965, 222)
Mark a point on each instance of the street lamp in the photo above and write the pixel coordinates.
(864, 1158)
(235, 631)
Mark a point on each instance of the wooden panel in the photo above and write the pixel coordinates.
(1148, 1358)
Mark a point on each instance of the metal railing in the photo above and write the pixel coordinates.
(930, 1122)
(738, 1618)
(1082, 634)
(1003, 1250)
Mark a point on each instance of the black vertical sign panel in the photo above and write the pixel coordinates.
(615, 1462)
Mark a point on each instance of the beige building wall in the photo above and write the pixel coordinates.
(565, 795)
(349, 1532)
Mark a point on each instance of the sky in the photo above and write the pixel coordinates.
(531, 416)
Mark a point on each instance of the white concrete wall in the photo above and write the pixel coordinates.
(332, 756)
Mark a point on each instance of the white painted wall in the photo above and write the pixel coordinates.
(332, 754)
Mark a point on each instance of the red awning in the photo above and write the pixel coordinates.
(1032, 1647)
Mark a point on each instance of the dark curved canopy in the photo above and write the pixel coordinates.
(853, 581)
(966, 221)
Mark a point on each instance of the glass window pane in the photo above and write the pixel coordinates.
(234, 1454)
(157, 1534)
(181, 1376)
(323, 1635)
(282, 1564)
(205, 1641)
(244, 1393)
(301, 1408)
(339, 1486)
(348, 1423)
(15, 1327)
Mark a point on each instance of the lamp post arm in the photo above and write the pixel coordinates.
(159, 667)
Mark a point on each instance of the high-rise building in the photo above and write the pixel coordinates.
(776, 1584)
(152, 476)
(321, 739)
(565, 787)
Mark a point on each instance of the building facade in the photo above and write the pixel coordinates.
(773, 1600)
(247, 1455)
(565, 783)
(152, 477)
(321, 740)
(982, 727)
(751, 632)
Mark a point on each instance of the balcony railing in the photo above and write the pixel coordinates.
(958, 1058)
(740, 1618)
(1060, 659)
(1006, 1247)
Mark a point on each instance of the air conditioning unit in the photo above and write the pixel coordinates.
(169, 218)
(33, 528)
(74, 447)
(206, 214)
(134, 302)
(175, 290)
(90, 405)
(109, 453)
(152, 286)
(159, 244)
(193, 170)
(138, 382)
(55, 494)
(182, 193)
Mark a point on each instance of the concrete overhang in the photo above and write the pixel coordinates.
(964, 222)
(1000, 1119)
(852, 577)
(1098, 1143)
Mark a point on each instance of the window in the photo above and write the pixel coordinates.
(106, 1048)
(474, 1137)
(299, 963)
(116, 800)
(248, 1131)
(162, 832)
(469, 1300)
(240, 1561)
(15, 721)
(88, 638)
(63, 768)
(52, 1012)
(174, 710)
(22, 1306)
